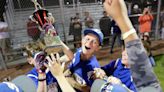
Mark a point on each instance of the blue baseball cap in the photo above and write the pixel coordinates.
(100, 85)
(96, 32)
(25, 83)
(9, 87)
(21, 83)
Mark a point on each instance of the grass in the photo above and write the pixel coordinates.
(159, 69)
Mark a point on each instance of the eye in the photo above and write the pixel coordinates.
(86, 39)
(95, 42)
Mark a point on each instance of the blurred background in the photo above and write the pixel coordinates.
(15, 14)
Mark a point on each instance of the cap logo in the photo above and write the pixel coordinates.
(12, 86)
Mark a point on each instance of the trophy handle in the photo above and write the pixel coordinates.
(37, 5)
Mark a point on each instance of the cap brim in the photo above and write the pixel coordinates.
(87, 31)
(25, 83)
(97, 85)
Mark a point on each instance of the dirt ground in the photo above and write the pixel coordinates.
(103, 56)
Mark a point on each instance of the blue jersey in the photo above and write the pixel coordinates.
(83, 69)
(50, 80)
(121, 72)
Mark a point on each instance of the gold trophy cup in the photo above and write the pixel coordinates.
(51, 39)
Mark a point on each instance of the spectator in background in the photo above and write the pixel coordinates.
(135, 10)
(116, 33)
(105, 26)
(4, 39)
(147, 45)
(89, 23)
(33, 30)
(71, 26)
(145, 22)
(77, 28)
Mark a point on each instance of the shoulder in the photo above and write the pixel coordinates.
(33, 73)
(94, 62)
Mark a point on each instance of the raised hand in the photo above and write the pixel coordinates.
(98, 73)
(54, 65)
(114, 80)
(115, 8)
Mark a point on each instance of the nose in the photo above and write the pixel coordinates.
(88, 43)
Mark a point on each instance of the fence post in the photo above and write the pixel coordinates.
(2, 61)
(157, 21)
(62, 16)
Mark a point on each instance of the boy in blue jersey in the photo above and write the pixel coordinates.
(84, 60)
(44, 80)
(120, 69)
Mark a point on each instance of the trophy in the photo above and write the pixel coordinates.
(44, 19)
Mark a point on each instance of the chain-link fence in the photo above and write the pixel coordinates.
(16, 13)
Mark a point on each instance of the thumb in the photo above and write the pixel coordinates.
(63, 65)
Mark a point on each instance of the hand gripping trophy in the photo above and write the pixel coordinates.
(44, 19)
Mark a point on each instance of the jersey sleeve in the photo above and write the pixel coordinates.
(140, 66)
(109, 68)
(33, 75)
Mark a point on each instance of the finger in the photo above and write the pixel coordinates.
(94, 72)
(53, 57)
(63, 65)
(95, 69)
(58, 58)
(45, 64)
(49, 60)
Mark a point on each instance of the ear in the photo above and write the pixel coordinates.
(29, 60)
(98, 48)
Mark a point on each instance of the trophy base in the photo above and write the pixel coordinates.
(53, 49)
(53, 44)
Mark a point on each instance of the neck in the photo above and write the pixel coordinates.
(85, 56)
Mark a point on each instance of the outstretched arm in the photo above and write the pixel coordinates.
(56, 69)
(138, 60)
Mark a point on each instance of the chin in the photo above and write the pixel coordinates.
(85, 51)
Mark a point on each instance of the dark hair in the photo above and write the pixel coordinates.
(33, 47)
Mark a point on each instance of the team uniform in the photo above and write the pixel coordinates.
(83, 69)
(52, 84)
(119, 70)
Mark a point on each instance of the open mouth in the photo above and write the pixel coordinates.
(87, 48)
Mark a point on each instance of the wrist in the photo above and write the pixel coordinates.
(128, 33)
(41, 76)
(43, 79)
(59, 77)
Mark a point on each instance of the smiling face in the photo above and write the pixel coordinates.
(124, 57)
(90, 44)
